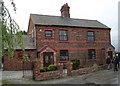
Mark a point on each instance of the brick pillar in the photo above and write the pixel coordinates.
(36, 70)
(60, 66)
(69, 68)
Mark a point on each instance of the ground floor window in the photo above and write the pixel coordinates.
(91, 53)
(64, 55)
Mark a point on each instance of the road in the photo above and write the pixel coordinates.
(99, 77)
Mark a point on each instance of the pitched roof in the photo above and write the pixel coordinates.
(70, 22)
(27, 43)
(46, 47)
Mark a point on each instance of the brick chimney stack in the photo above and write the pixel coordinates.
(65, 11)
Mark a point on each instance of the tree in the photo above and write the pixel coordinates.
(22, 32)
(8, 28)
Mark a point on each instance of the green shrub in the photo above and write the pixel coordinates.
(95, 66)
(52, 67)
(76, 64)
(44, 69)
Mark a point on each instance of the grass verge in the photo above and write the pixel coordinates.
(5, 82)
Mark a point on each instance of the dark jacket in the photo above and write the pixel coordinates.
(116, 60)
(108, 60)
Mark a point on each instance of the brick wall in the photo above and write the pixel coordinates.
(81, 71)
(49, 75)
(86, 70)
(77, 43)
(17, 63)
(37, 75)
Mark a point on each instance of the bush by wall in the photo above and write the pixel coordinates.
(44, 69)
(76, 64)
(50, 72)
(51, 67)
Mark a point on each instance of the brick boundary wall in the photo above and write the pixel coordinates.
(85, 70)
(49, 75)
(37, 75)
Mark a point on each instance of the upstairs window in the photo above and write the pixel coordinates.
(63, 35)
(32, 33)
(91, 53)
(90, 36)
(48, 33)
(64, 55)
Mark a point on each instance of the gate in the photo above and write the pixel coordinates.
(27, 69)
(64, 69)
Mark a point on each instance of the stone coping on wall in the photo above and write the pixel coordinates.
(37, 75)
(87, 70)
(49, 75)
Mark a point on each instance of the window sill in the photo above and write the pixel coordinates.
(89, 60)
(60, 41)
(91, 41)
(63, 61)
(48, 37)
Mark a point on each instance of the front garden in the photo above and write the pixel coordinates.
(56, 71)
(45, 73)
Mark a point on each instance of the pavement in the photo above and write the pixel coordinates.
(99, 77)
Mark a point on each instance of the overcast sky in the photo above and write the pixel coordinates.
(105, 11)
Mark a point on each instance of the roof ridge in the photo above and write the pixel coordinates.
(45, 15)
(62, 17)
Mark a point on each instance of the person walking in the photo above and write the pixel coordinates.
(108, 61)
(115, 62)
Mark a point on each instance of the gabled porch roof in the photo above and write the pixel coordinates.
(46, 48)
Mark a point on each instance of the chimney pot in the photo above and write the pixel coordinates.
(65, 11)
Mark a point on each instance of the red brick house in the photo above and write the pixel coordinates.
(58, 39)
